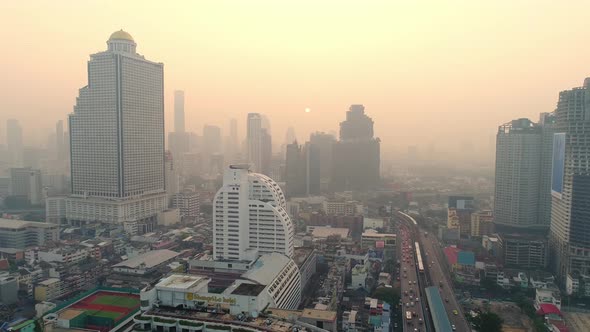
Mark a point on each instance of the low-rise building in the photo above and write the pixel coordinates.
(524, 251)
(21, 234)
(342, 207)
(551, 296)
(8, 289)
(354, 223)
(272, 281)
(145, 263)
(350, 321)
(49, 290)
(491, 244)
(578, 285)
(521, 280)
(384, 242)
(188, 203)
(359, 275)
(55, 209)
(323, 232)
(482, 223)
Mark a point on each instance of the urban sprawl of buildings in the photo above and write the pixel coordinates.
(116, 226)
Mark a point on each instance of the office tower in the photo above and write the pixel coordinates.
(188, 204)
(302, 170)
(254, 141)
(522, 198)
(14, 143)
(179, 111)
(324, 143)
(59, 140)
(569, 239)
(179, 139)
(356, 162)
(117, 137)
(518, 153)
(26, 183)
(250, 217)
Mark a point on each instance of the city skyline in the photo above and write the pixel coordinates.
(394, 68)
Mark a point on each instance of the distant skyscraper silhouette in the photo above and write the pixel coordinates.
(179, 140)
(290, 137)
(569, 237)
(302, 170)
(356, 163)
(324, 143)
(117, 137)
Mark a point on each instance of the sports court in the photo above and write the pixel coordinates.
(101, 310)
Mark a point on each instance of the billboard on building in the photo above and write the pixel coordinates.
(558, 166)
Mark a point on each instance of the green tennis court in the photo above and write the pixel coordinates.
(120, 301)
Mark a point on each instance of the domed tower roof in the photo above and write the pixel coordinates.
(121, 41)
(121, 35)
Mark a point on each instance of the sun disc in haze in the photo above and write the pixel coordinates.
(307, 110)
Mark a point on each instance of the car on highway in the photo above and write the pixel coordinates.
(447, 299)
(455, 312)
(454, 327)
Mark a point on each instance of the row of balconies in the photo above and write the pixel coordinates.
(161, 324)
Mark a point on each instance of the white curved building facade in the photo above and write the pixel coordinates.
(250, 217)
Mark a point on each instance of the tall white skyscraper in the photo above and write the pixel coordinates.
(250, 217)
(117, 136)
(14, 142)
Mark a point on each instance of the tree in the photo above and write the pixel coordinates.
(487, 322)
(390, 295)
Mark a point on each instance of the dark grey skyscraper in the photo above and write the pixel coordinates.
(179, 111)
(325, 145)
(302, 170)
(569, 238)
(356, 159)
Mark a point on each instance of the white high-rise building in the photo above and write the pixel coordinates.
(117, 137)
(250, 217)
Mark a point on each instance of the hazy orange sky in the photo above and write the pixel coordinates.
(425, 71)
